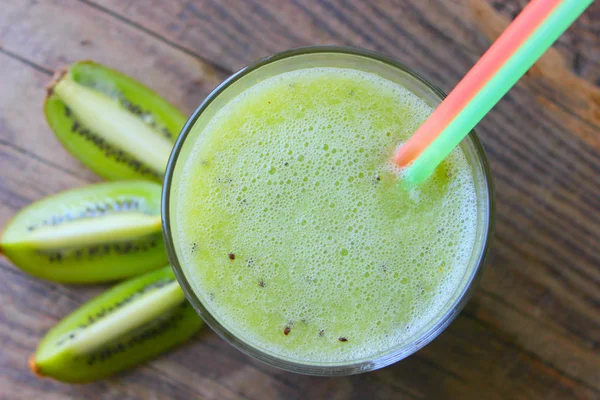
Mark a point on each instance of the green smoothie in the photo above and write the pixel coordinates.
(295, 232)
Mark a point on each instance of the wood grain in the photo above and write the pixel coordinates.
(532, 329)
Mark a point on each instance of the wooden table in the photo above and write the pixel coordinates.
(532, 330)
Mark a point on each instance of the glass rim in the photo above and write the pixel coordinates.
(323, 369)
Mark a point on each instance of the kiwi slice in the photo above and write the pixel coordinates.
(133, 322)
(116, 126)
(101, 232)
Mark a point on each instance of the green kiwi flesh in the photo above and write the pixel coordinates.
(116, 126)
(101, 232)
(130, 323)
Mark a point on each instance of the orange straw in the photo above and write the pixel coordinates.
(494, 58)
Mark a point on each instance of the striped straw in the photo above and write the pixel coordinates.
(516, 50)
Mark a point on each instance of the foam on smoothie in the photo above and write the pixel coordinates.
(291, 218)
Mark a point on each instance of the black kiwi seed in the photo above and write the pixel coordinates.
(91, 211)
(56, 257)
(166, 133)
(99, 250)
(127, 104)
(104, 311)
(112, 152)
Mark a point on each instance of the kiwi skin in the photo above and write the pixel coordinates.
(93, 261)
(91, 344)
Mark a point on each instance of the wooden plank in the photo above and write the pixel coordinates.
(532, 329)
(78, 31)
(207, 28)
(22, 126)
(566, 79)
(558, 349)
(578, 45)
(442, 40)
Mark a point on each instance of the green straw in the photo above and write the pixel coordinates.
(531, 50)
